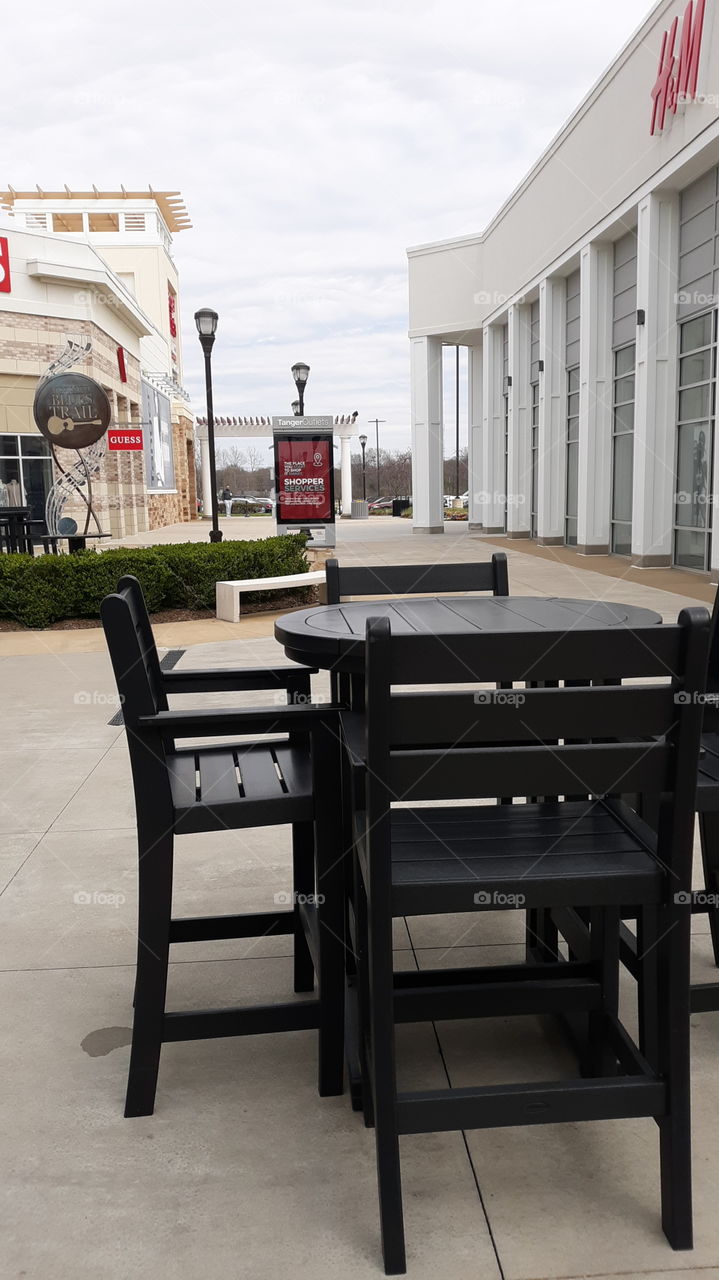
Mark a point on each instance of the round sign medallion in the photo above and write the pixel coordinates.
(71, 410)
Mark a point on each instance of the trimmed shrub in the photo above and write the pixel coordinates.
(38, 591)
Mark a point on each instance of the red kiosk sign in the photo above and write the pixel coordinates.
(5, 285)
(304, 478)
(676, 82)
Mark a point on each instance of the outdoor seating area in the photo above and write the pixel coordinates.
(342, 931)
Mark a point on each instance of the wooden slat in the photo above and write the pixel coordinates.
(528, 654)
(255, 1020)
(499, 999)
(493, 715)
(181, 768)
(259, 776)
(496, 1106)
(429, 579)
(218, 780)
(258, 924)
(519, 771)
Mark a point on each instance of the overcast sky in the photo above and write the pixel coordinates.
(313, 143)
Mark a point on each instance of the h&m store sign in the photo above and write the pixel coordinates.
(679, 60)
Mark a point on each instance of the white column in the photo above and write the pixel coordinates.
(519, 452)
(551, 457)
(346, 472)
(595, 398)
(493, 477)
(427, 443)
(206, 479)
(474, 461)
(655, 403)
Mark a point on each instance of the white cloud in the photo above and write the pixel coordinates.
(312, 146)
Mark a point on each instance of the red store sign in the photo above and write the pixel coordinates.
(122, 438)
(676, 82)
(5, 286)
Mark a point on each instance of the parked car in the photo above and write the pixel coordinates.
(381, 504)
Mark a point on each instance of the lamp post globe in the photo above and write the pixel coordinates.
(300, 374)
(206, 322)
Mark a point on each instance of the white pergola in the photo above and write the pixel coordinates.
(343, 427)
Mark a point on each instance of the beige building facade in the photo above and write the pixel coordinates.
(60, 283)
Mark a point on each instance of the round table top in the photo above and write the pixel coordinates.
(329, 635)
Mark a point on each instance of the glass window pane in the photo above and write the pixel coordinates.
(622, 478)
(624, 360)
(10, 490)
(696, 368)
(8, 445)
(37, 476)
(573, 379)
(690, 549)
(622, 539)
(624, 417)
(572, 479)
(693, 455)
(696, 333)
(624, 390)
(573, 406)
(695, 403)
(34, 447)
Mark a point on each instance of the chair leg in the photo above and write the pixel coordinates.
(384, 1089)
(303, 870)
(153, 949)
(647, 984)
(604, 950)
(675, 1126)
(330, 865)
(709, 836)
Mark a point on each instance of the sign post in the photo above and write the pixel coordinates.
(304, 475)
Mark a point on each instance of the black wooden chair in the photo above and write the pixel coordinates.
(249, 783)
(416, 579)
(594, 853)
(407, 580)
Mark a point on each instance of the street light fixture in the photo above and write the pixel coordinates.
(206, 321)
(363, 446)
(300, 373)
(296, 408)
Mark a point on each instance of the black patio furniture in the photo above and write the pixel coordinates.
(19, 532)
(603, 742)
(414, 579)
(257, 781)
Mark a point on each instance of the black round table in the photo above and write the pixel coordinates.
(333, 635)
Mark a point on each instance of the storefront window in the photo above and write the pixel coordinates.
(25, 473)
(572, 503)
(695, 443)
(534, 497)
(159, 463)
(623, 450)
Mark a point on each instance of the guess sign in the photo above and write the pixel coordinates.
(122, 438)
(4, 265)
(676, 82)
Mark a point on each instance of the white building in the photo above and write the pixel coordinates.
(589, 308)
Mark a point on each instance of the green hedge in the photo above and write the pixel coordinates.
(39, 590)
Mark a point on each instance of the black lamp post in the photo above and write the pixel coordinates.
(377, 422)
(296, 408)
(300, 373)
(206, 321)
(363, 446)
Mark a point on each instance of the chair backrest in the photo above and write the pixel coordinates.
(416, 579)
(130, 586)
(139, 684)
(601, 738)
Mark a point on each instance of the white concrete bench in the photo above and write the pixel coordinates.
(227, 595)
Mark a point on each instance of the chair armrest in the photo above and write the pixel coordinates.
(221, 722)
(239, 679)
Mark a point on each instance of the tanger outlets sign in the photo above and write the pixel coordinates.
(5, 285)
(676, 82)
(304, 478)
